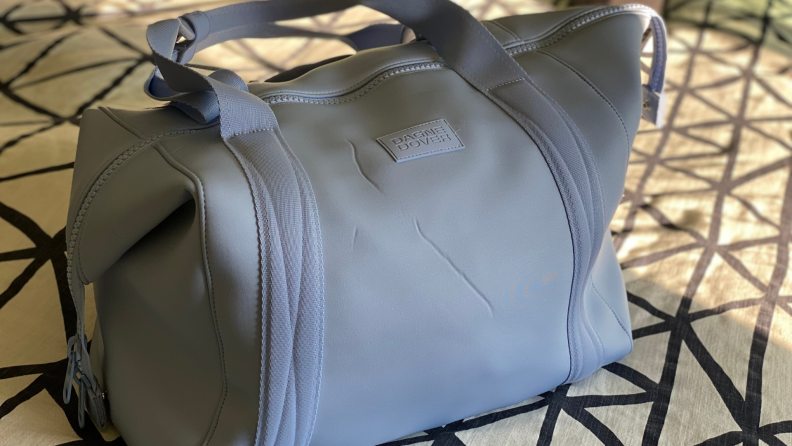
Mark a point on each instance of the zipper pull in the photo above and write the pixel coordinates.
(85, 386)
(653, 106)
(654, 98)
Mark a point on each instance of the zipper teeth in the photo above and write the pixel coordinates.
(283, 98)
(550, 40)
(577, 23)
(106, 174)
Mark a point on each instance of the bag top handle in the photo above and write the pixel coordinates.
(454, 33)
(460, 39)
(654, 98)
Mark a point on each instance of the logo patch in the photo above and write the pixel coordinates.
(426, 139)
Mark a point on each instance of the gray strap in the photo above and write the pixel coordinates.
(202, 108)
(252, 20)
(654, 98)
(205, 29)
(459, 38)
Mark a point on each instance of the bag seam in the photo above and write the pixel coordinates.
(207, 267)
(572, 348)
(551, 31)
(618, 319)
(367, 88)
(599, 346)
(503, 84)
(506, 47)
(350, 88)
(139, 147)
(593, 88)
(508, 31)
(629, 12)
(574, 128)
(146, 144)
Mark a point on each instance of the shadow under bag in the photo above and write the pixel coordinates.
(363, 248)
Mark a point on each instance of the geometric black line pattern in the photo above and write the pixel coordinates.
(703, 233)
(746, 411)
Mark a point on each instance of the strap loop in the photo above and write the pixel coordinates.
(185, 30)
(654, 98)
(86, 383)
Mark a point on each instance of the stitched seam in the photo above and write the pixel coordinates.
(245, 132)
(581, 22)
(618, 319)
(76, 235)
(599, 348)
(368, 78)
(370, 86)
(291, 96)
(596, 90)
(508, 31)
(594, 174)
(221, 404)
(212, 306)
(569, 208)
(551, 31)
(505, 83)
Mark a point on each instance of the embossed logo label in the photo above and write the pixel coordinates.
(426, 139)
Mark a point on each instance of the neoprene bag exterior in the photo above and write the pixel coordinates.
(384, 244)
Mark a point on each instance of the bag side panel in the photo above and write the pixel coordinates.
(131, 202)
(232, 258)
(162, 366)
(134, 201)
(157, 329)
(605, 304)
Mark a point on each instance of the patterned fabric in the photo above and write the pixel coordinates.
(703, 233)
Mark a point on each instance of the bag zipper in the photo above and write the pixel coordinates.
(98, 183)
(580, 22)
(565, 29)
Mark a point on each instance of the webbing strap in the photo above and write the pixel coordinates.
(654, 98)
(193, 27)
